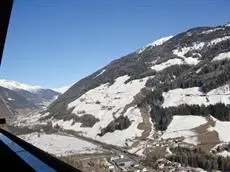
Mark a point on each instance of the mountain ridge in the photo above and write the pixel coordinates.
(186, 60)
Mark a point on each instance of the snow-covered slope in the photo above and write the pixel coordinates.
(181, 127)
(184, 126)
(194, 96)
(167, 64)
(222, 128)
(156, 43)
(106, 103)
(121, 102)
(160, 41)
(222, 56)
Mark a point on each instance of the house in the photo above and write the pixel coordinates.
(124, 163)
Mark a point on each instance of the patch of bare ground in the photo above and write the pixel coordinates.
(145, 125)
(132, 104)
(88, 162)
(144, 109)
(207, 139)
(154, 154)
(135, 144)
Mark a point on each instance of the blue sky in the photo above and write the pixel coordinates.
(54, 43)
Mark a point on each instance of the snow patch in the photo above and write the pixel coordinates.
(211, 30)
(222, 56)
(224, 154)
(100, 73)
(199, 70)
(218, 40)
(222, 128)
(155, 61)
(158, 42)
(196, 46)
(182, 51)
(10, 99)
(194, 96)
(167, 64)
(180, 96)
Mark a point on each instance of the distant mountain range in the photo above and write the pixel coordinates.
(17, 98)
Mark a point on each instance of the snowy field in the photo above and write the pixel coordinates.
(60, 145)
(222, 56)
(222, 128)
(193, 96)
(181, 127)
(106, 102)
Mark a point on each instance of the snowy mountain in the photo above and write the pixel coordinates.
(172, 92)
(134, 97)
(13, 85)
(20, 99)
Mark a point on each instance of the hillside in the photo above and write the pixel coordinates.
(174, 91)
(190, 68)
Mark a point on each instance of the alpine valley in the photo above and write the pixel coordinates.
(167, 104)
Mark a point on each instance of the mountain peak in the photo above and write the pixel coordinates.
(160, 41)
(13, 85)
(156, 43)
